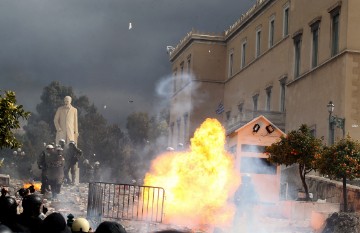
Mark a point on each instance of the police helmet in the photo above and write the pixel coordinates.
(80, 225)
(8, 204)
(49, 146)
(5, 229)
(31, 203)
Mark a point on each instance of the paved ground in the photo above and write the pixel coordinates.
(73, 199)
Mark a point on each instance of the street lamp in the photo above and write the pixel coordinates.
(334, 121)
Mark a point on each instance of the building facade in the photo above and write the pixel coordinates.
(283, 59)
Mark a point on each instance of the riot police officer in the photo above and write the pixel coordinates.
(73, 154)
(55, 171)
(42, 165)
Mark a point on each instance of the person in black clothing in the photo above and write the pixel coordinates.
(73, 154)
(110, 227)
(55, 171)
(9, 216)
(33, 213)
(42, 165)
(246, 198)
(54, 223)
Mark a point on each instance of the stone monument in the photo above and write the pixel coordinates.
(66, 122)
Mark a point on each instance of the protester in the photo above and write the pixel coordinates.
(9, 216)
(110, 227)
(54, 223)
(33, 213)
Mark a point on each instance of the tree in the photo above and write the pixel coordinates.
(138, 127)
(96, 137)
(51, 98)
(341, 161)
(10, 114)
(297, 147)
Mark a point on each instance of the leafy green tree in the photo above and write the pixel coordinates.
(341, 161)
(51, 98)
(138, 127)
(96, 137)
(10, 114)
(297, 147)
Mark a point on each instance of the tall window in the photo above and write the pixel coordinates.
(255, 102)
(271, 31)
(282, 94)
(231, 63)
(186, 117)
(174, 80)
(241, 107)
(315, 43)
(181, 73)
(286, 20)
(243, 54)
(189, 64)
(268, 98)
(335, 16)
(181, 68)
(258, 43)
(297, 46)
(228, 114)
(178, 122)
(172, 132)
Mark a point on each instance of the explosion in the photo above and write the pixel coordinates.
(199, 184)
(37, 185)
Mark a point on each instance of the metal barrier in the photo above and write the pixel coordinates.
(126, 202)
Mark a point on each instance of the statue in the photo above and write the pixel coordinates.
(66, 122)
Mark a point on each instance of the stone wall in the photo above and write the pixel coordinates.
(331, 190)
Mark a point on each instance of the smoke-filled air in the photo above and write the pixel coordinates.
(199, 183)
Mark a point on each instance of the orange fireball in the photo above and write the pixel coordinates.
(199, 184)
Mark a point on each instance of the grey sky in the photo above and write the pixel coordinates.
(87, 44)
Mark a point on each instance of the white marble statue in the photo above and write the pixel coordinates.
(66, 122)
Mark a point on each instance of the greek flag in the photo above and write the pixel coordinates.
(220, 108)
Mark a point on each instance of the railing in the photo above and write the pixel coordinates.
(126, 202)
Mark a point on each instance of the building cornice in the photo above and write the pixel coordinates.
(322, 64)
(195, 36)
(222, 37)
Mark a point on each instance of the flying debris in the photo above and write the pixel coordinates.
(130, 101)
(104, 106)
(130, 26)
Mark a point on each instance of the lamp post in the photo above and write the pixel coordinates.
(334, 121)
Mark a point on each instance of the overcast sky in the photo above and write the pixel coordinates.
(87, 44)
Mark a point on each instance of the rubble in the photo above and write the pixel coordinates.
(342, 222)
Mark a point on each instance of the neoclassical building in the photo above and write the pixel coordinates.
(283, 59)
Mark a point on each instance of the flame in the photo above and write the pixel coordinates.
(198, 183)
(37, 185)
